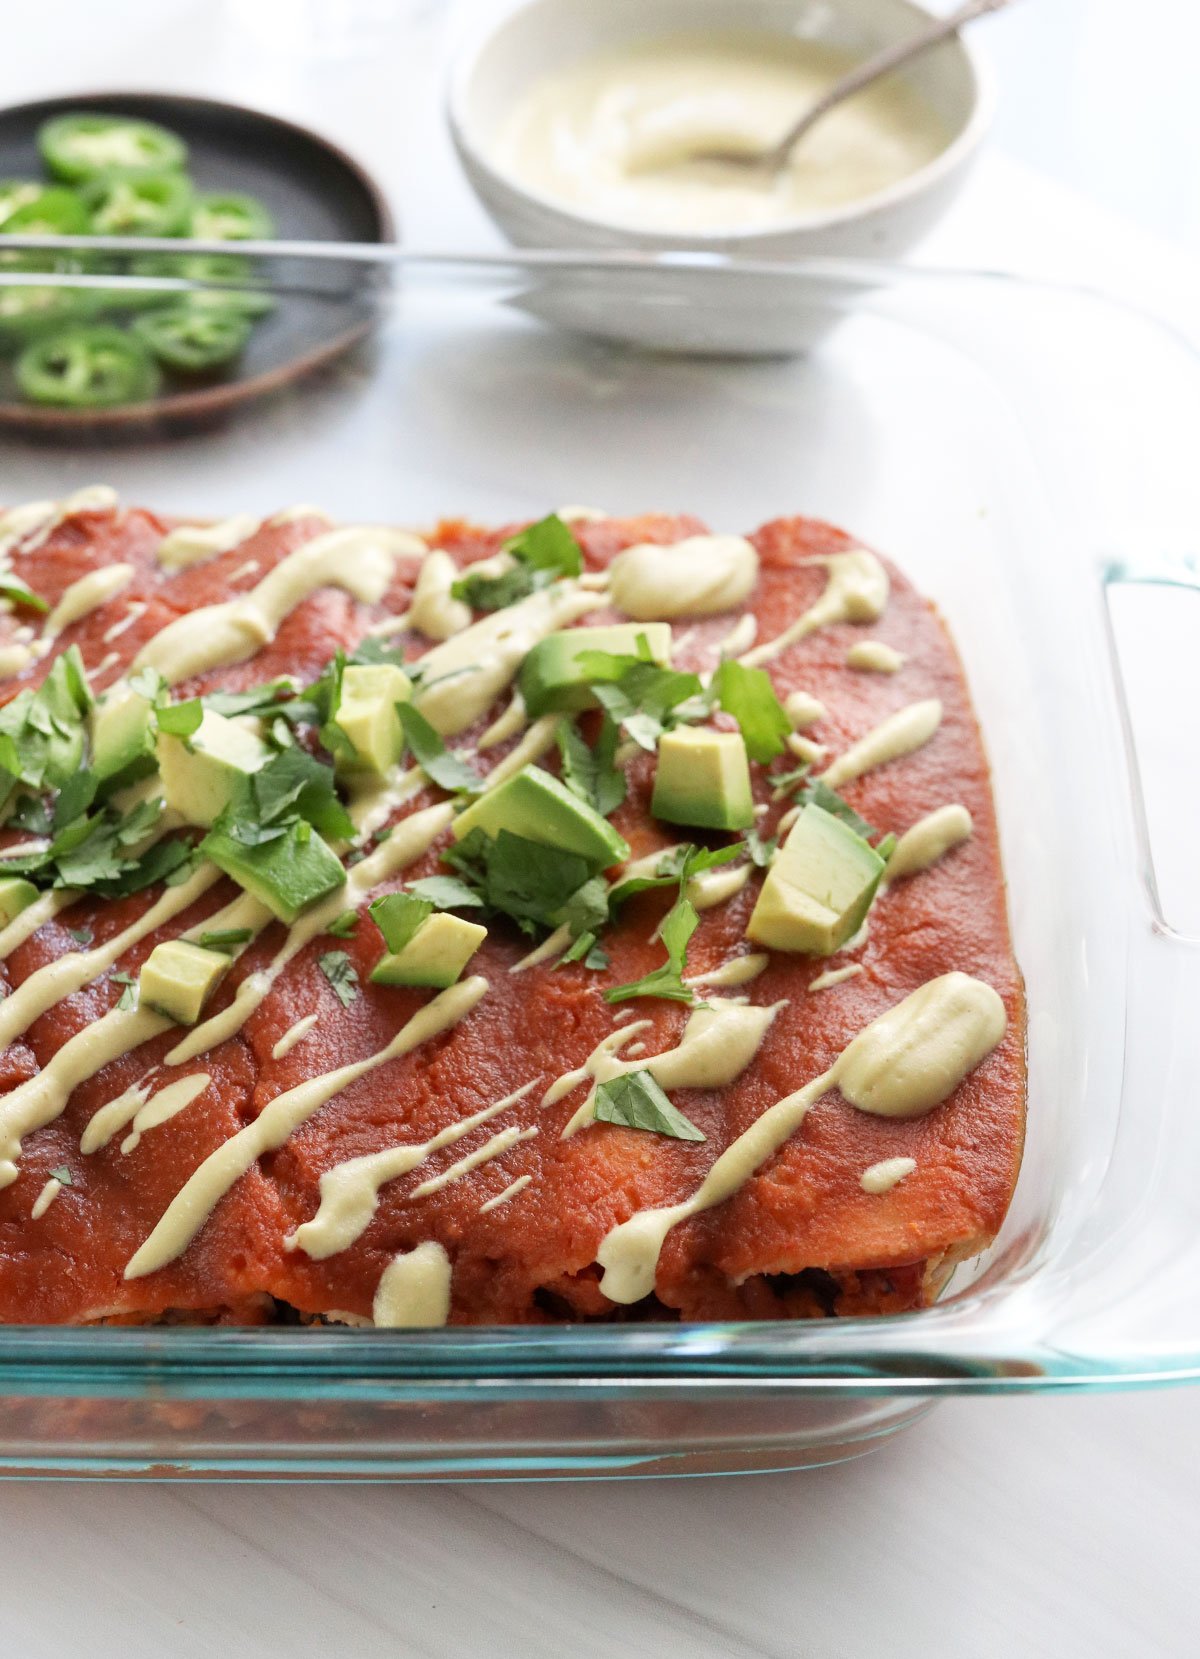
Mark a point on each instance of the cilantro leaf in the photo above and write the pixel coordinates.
(635, 1100)
(129, 993)
(784, 782)
(448, 770)
(12, 587)
(761, 852)
(447, 893)
(544, 552)
(591, 773)
(667, 981)
(341, 974)
(343, 926)
(398, 916)
(585, 950)
(62, 1175)
(524, 880)
(819, 794)
(42, 731)
(180, 719)
(748, 695)
(636, 693)
(677, 865)
(292, 784)
(586, 911)
(83, 936)
(225, 939)
(259, 699)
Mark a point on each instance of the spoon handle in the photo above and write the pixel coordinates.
(873, 68)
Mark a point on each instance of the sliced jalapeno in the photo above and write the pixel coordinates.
(138, 204)
(53, 211)
(204, 267)
(15, 193)
(87, 368)
(79, 146)
(230, 218)
(33, 310)
(193, 339)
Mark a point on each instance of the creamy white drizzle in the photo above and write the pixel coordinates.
(835, 976)
(718, 886)
(493, 1147)
(108, 1120)
(374, 799)
(279, 1119)
(699, 576)
(14, 658)
(510, 1192)
(803, 709)
(574, 514)
(856, 591)
(464, 675)
(739, 970)
(434, 611)
(805, 749)
(717, 1044)
(929, 840)
(31, 524)
(87, 595)
(414, 1290)
(506, 724)
(45, 1198)
(293, 1035)
(900, 734)
(70, 973)
(903, 1064)
(740, 637)
(26, 922)
(301, 510)
(350, 1190)
(873, 656)
(359, 560)
(136, 608)
(193, 544)
(165, 1104)
(886, 1174)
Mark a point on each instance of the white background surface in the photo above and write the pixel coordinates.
(1057, 1526)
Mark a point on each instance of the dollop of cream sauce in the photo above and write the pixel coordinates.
(874, 657)
(617, 134)
(434, 611)
(414, 1289)
(87, 595)
(856, 590)
(886, 1174)
(902, 1065)
(900, 734)
(928, 841)
(194, 544)
(699, 576)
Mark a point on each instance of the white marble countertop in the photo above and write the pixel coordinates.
(1059, 1525)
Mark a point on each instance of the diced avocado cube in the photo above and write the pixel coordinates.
(818, 889)
(552, 678)
(541, 808)
(177, 979)
(703, 778)
(367, 715)
(286, 874)
(436, 954)
(200, 773)
(15, 895)
(122, 739)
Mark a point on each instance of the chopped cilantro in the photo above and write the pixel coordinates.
(258, 699)
(819, 794)
(292, 786)
(447, 893)
(225, 939)
(448, 770)
(62, 1175)
(343, 926)
(586, 950)
(543, 552)
(340, 972)
(12, 587)
(180, 719)
(636, 693)
(524, 880)
(586, 911)
(635, 1100)
(128, 997)
(784, 782)
(75, 797)
(590, 772)
(677, 865)
(398, 916)
(83, 936)
(748, 695)
(681, 922)
(30, 814)
(42, 731)
(761, 852)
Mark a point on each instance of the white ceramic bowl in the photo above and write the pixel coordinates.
(498, 66)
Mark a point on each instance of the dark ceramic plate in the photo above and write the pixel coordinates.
(314, 191)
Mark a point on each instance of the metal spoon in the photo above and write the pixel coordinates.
(863, 75)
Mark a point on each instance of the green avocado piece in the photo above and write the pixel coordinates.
(539, 807)
(367, 714)
(435, 956)
(286, 874)
(703, 778)
(177, 979)
(552, 678)
(200, 773)
(16, 894)
(122, 739)
(818, 889)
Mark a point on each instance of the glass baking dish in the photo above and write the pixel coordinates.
(1020, 450)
